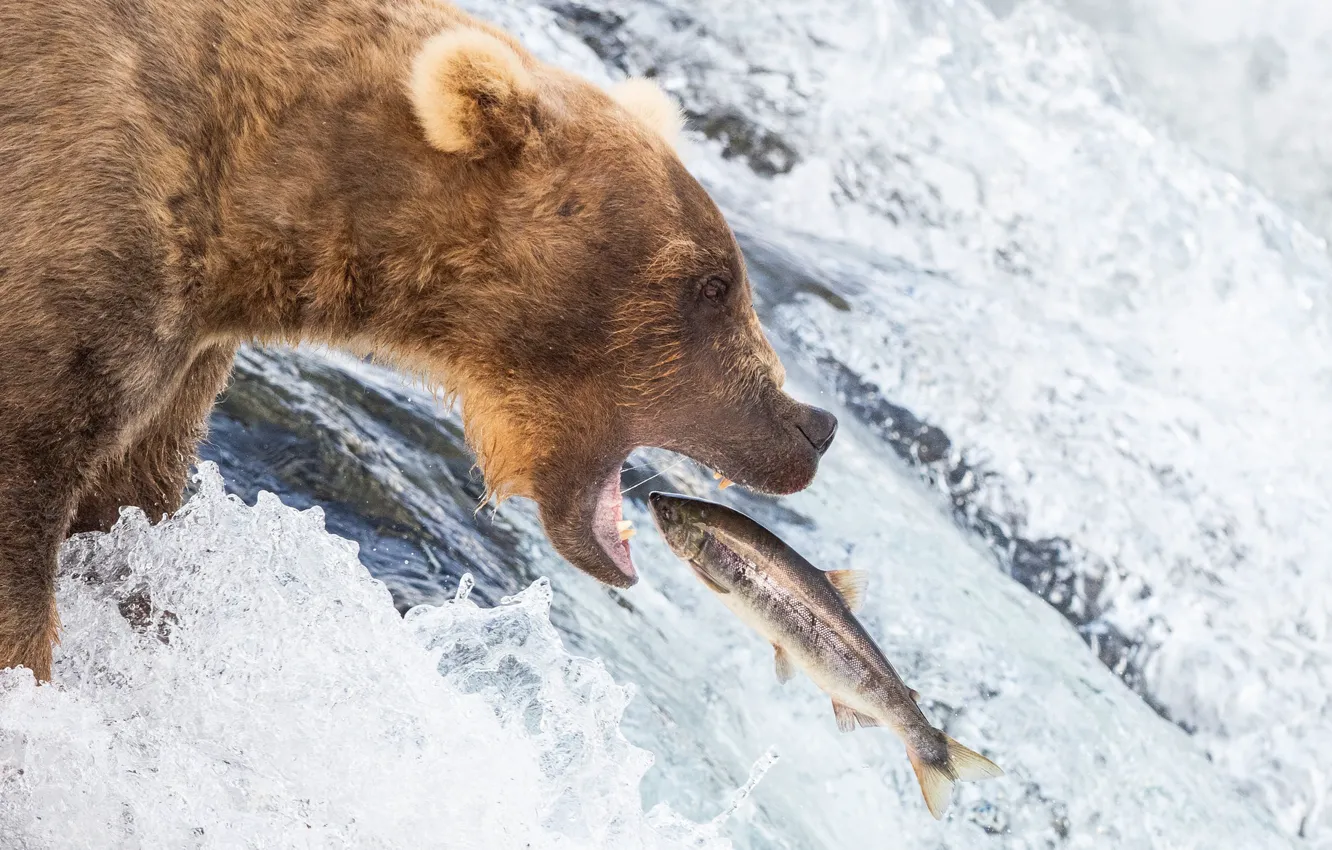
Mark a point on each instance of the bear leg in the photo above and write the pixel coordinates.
(29, 624)
(36, 501)
(152, 474)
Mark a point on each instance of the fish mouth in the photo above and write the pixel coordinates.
(665, 509)
(582, 511)
(676, 518)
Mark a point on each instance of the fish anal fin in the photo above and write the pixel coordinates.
(848, 718)
(851, 585)
(936, 786)
(785, 669)
(707, 579)
(866, 721)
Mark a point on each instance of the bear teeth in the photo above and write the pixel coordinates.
(725, 482)
(626, 528)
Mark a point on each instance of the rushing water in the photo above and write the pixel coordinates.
(1083, 379)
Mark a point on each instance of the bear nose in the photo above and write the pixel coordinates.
(819, 427)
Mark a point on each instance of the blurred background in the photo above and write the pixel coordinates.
(1060, 269)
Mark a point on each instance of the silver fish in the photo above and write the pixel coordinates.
(807, 616)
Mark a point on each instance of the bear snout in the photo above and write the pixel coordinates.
(819, 427)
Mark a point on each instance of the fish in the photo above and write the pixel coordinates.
(808, 615)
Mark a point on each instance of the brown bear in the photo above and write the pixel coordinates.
(179, 177)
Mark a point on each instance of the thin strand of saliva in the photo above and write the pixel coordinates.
(650, 477)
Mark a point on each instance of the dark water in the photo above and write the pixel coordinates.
(395, 475)
(390, 475)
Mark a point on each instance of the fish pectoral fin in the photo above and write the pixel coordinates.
(785, 669)
(851, 585)
(848, 718)
(703, 576)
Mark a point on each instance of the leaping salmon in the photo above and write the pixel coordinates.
(808, 617)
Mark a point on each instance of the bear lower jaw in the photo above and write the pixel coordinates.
(581, 508)
(607, 525)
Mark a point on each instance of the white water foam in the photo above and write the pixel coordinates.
(233, 677)
(1244, 82)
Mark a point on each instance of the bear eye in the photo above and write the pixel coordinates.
(714, 288)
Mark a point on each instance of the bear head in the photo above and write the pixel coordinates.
(588, 299)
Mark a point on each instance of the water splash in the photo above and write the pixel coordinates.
(756, 774)
(234, 677)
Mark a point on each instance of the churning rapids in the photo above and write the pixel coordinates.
(1083, 377)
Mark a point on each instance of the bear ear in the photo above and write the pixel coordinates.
(472, 93)
(654, 109)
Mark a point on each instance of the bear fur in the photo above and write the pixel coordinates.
(393, 177)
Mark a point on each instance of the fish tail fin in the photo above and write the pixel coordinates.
(970, 765)
(936, 786)
(936, 780)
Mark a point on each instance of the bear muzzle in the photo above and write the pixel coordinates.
(773, 448)
(818, 426)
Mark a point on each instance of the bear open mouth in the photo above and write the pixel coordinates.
(609, 527)
(582, 510)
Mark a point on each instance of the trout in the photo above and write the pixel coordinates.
(808, 616)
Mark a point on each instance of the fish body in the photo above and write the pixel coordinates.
(808, 616)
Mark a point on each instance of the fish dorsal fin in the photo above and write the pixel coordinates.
(848, 718)
(851, 585)
(785, 669)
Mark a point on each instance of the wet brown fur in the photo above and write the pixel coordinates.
(182, 176)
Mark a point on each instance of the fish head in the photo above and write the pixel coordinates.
(682, 521)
